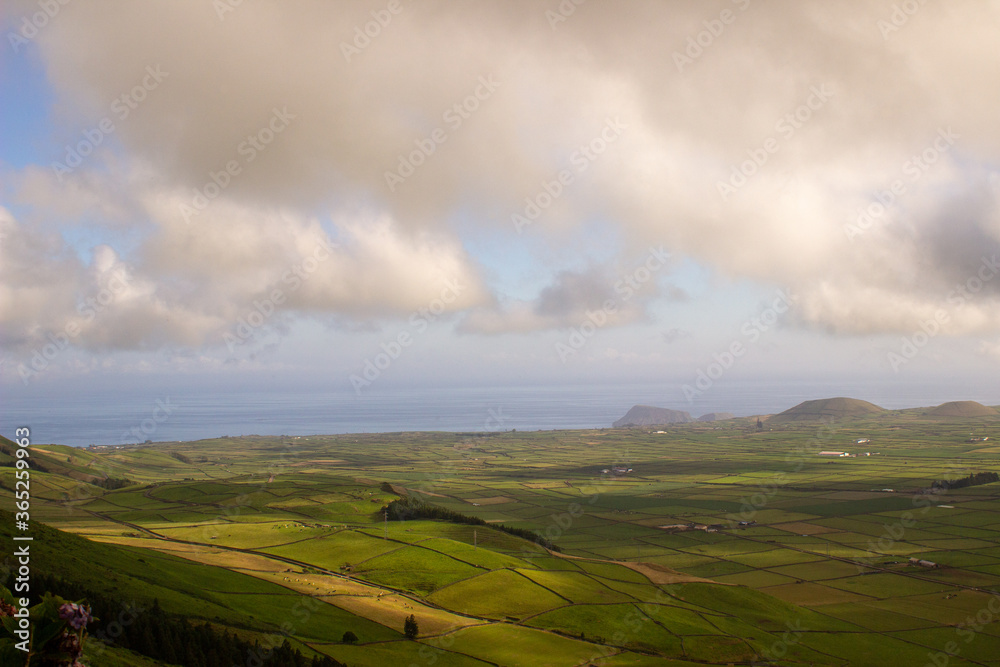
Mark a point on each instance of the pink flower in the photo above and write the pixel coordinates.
(75, 615)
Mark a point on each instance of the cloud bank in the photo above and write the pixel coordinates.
(848, 151)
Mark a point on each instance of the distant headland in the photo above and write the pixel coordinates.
(838, 408)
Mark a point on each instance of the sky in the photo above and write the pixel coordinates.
(399, 193)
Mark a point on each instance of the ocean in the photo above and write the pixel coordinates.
(119, 416)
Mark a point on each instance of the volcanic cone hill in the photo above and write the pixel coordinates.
(962, 409)
(826, 408)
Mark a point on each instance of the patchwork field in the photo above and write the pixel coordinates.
(725, 544)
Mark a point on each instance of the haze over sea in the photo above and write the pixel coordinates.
(128, 415)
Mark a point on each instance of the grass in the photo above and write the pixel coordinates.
(416, 569)
(620, 625)
(398, 653)
(577, 587)
(522, 647)
(466, 553)
(611, 571)
(486, 597)
(307, 618)
(113, 656)
(336, 549)
(869, 649)
(978, 646)
(498, 594)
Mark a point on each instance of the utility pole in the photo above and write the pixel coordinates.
(385, 535)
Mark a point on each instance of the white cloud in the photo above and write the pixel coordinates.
(884, 101)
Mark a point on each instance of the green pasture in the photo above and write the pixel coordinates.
(316, 500)
(416, 569)
(500, 594)
(519, 646)
(333, 550)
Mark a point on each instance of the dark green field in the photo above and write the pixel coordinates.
(725, 544)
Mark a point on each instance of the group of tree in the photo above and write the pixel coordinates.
(975, 479)
(112, 483)
(410, 627)
(411, 507)
(168, 637)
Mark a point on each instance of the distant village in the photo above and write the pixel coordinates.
(860, 441)
(867, 441)
(103, 448)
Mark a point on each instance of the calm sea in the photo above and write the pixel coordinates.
(192, 413)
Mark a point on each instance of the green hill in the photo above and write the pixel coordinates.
(647, 415)
(827, 408)
(716, 417)
(72, 463)
(963, 409)
(130, 578)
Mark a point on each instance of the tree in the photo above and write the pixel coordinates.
(410, 628)
(349, 637)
